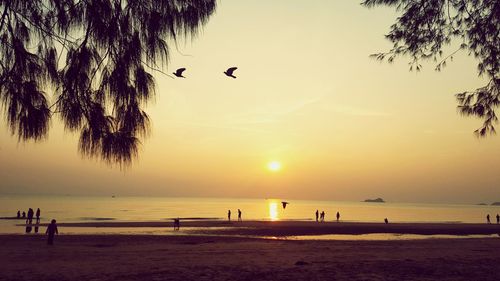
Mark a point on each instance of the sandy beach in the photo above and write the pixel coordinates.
(138, 257)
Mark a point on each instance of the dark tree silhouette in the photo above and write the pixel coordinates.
(426, 26)
(94, 58)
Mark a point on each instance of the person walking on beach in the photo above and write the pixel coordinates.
(338, 216)
(317, 214)
(177, 224)
(498, 219)
(18, 214)
(30, 216)
(488, 218)
(38, 215)
(229, 215)
(239, 215)
(51, 231)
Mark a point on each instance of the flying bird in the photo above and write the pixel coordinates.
(229, 72)
(284, 204)
(178, 72)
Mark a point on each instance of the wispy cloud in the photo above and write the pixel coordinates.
(355, 111)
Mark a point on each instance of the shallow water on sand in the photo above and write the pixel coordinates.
(102, 209)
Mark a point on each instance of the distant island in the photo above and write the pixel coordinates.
(378, 200)
(495, 204)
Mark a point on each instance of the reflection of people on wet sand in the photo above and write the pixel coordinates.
(239, 215)
(317, 214)
(338, 216)
(177, 224)
(51, 231)
(229, 215)
(488, 218)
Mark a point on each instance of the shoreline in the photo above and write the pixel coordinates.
(292, 228)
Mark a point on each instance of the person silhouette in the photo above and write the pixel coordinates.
(322, 216)
(239, 215)
(38, 215)
(498, 219)
(30, 216)
(229, 215)
(386, 221)
(317, 214)
(51, 231)
(338, 216)
(18, 214)
(488, 218)
(177, 224)
(24, 215)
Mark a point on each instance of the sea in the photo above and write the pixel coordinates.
(137, 209)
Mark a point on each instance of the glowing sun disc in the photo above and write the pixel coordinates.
(274, 166)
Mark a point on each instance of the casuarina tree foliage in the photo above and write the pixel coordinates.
(425, 27)
(90, 63)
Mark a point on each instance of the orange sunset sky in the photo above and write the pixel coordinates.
(342, 125)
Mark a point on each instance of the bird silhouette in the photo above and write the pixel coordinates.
(178, 72)
(229, 72)
(284, 204)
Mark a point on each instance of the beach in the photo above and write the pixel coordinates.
(288, 228)
(196, 257)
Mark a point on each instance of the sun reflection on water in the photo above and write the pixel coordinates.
(273, 210)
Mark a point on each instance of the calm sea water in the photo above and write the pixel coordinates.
(80, 209)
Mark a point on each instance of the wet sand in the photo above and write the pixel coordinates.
(294, 228)
(142, 257)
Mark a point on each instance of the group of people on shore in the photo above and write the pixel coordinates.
(488, 218)
(320, 217)
(31, 214)
(229, 215)
(51, 228)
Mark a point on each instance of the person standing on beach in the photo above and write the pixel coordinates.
(51, 231)
(229, 215)
(177, 224)
(498, 219)
(24, 215)
(317, 214)
(386, 221)
(239, 215)
(322, 216)
(38, 215)
(488, 218)
(18, 214)
(338, 216)
(30, 216)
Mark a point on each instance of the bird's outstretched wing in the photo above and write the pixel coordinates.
(180, 70)
(231, 70)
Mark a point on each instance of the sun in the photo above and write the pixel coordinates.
(274, 166)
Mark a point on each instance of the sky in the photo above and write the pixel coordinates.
(343, 126)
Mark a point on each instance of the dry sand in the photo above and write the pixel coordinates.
(137, 257)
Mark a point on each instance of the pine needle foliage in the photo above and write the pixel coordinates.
(94, 60)
(424, 27)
